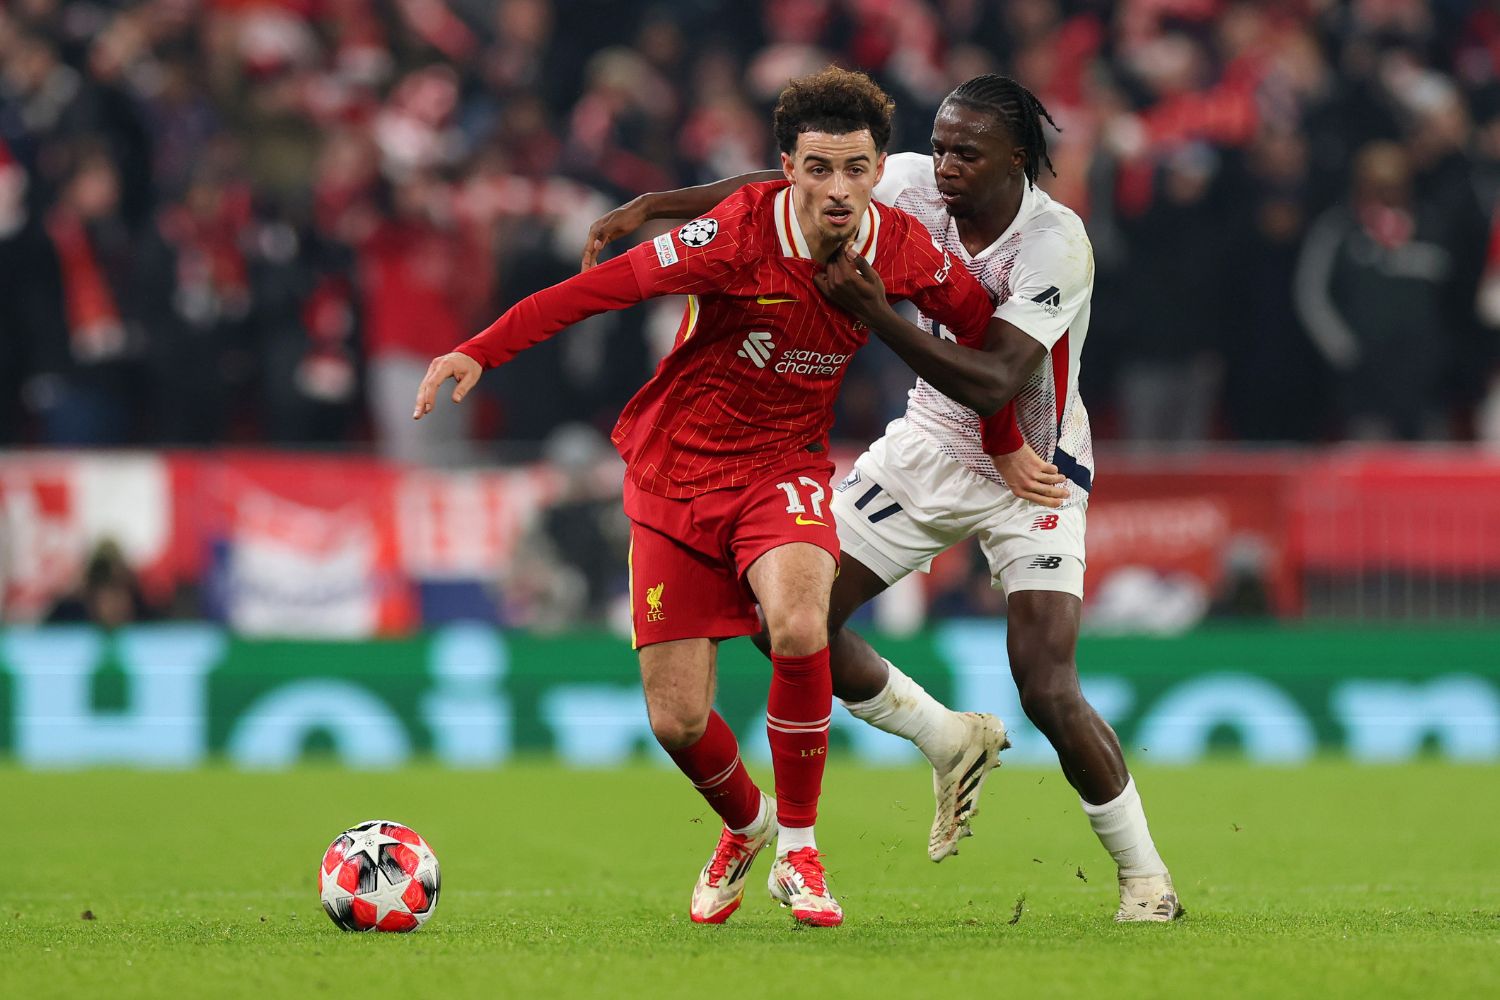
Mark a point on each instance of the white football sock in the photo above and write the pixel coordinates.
(793, 838)
(906, 710)
(760, 817)
(1121, 827)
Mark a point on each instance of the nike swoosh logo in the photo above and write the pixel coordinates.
(804, 520)
(766, 300)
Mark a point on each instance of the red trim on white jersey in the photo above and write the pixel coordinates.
(1060, 377)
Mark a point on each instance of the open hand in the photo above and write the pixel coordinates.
(1030, 478)
(850, 283)
(459, 367)
(611, 226)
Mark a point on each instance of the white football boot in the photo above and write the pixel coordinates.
(721, 884)
(1150, 899)
(799, 881)
(957, 786)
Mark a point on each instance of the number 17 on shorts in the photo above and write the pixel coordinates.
(789, 507)
(813, 491)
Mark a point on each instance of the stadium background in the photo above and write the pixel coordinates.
(232, 233)
(231, 236)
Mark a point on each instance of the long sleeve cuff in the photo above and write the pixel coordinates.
(999, 433)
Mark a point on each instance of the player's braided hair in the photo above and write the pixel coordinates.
(836, 101)
(1016, 108)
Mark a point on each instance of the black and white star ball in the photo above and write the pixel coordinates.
(698, 232)
(379, 876)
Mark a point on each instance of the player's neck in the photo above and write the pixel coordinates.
(979, 231)
(819, 246)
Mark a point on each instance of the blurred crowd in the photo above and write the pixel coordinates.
(254, 221)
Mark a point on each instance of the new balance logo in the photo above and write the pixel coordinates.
(1044, 522)
(757, 348)
(1045, 562)
(1050, 300)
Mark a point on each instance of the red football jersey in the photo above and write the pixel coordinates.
(760, 354)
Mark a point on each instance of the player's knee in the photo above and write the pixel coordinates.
(1051, 698)
(678, 729)
(1046, 681)
(798, 631)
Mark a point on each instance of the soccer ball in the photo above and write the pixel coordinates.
(379, 876)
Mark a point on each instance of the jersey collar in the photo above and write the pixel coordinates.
(1029, 202)
(794, 244)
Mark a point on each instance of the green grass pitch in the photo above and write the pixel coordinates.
(1330, 880)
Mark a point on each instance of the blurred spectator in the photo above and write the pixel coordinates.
(108, 595)
(48, 106)
(1169, 381)
(306, 317)
(622, 128)
(88, 387)
(1273, 375)
(423, 278)
(1370, 288)
(31, 302)
(195, 293)
(584, 526)
(539, 593)
(301, 203)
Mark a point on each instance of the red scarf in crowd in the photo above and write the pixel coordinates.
(95, 330)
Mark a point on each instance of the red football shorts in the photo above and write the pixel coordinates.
(689, 557)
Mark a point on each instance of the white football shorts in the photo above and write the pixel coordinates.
(905, 502)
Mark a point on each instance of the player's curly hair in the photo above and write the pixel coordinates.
(1016, 108)
(836, 101)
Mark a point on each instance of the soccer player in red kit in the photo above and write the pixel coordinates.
(726, 449)
(978, 197)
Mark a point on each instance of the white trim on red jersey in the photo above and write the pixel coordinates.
(794, 244)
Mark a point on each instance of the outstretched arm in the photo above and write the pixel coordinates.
(682, 203)
(529, 322)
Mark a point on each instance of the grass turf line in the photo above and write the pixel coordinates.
(1329, 880)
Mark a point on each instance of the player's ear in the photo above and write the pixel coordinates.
(787, 166)
(879, 167)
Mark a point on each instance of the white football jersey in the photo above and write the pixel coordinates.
(1041, 273)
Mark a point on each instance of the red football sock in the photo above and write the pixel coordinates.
(797, 715)
(713, 766)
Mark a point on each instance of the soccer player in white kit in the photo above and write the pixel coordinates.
(928, 484)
